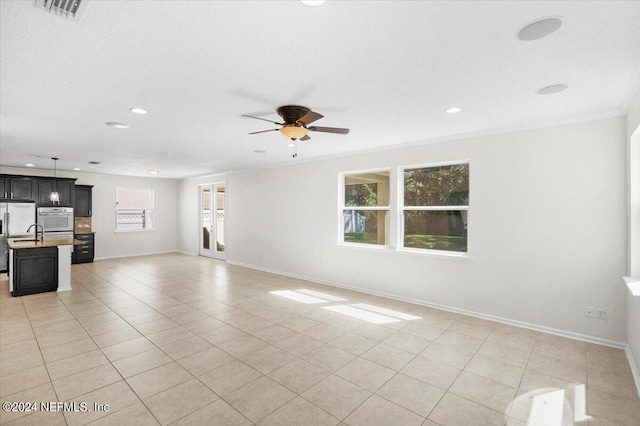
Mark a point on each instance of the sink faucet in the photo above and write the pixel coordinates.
(36, 231)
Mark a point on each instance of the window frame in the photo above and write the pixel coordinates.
(152, 209)
(342, 207)
(402, 208)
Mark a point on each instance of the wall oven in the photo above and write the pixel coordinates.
(56, 220)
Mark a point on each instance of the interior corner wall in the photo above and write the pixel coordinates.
(110, 244)
(547, 227)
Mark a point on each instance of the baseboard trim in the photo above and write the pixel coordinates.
(634, 368)
(502, 320)
(134, 255)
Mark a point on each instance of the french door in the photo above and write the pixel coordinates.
(213, 216)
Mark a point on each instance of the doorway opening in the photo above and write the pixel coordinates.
(213, 220)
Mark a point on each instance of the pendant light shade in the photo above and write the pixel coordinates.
(54, 197)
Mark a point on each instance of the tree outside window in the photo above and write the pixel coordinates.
(435, 207)
(365, 209)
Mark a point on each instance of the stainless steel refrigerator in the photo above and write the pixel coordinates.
(15, 217)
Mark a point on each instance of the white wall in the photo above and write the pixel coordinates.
(633, 303)
(109, 243)
(547, 227)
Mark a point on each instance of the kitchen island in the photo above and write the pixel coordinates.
(40, 265)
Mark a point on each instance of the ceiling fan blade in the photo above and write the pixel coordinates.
(264, 131)
(263, 119)
(309, 118)
(305, 138)
(329, 130)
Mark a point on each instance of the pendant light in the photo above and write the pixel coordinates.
(55, 197)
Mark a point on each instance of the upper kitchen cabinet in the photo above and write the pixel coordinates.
(82, 207)
(19, 187)
(65, 187)
(4, 185)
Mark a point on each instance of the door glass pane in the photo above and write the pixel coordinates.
(220, 203)
(206, 217)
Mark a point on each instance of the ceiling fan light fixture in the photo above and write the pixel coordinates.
(293, 131)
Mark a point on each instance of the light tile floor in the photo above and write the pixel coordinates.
(175, 339)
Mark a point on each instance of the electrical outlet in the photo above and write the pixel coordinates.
(589, 312)
(602, 314)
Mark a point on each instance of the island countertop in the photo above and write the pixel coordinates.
(28, 243)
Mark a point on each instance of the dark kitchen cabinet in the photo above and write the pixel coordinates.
(82, 207)
(83, 253)
(22, 187)
(35, 270)
(4, 187)
(66, 190)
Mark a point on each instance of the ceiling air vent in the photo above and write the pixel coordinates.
(66, 8)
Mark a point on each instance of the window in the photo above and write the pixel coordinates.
(365, 208)
(134, 209)
(435, 206)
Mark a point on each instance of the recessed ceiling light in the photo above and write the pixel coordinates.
(291, 144)
(312, 2)
(116, 125)
(260, 151)
(453, 110)
(137, 110)
(549, 90)
(77, 169)
(30, 165)
(153, 172)
(539, 29)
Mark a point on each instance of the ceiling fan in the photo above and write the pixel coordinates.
(296, 123)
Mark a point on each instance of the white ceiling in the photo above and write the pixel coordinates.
(384, 69)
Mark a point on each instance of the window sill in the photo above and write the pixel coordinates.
(366, 246)
(430, 253)
(117, 231)
(633, 284)
(436, 253)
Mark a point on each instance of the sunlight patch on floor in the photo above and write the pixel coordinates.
(580, 408)
(388, 312)
(547, 409)
(361, 314)
(298, 297)
(321, 295)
